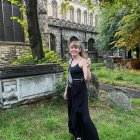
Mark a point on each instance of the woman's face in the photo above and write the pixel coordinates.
(74, 51)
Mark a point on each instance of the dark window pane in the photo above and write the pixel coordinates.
(1, 23)
(9, 33)
(18, 31)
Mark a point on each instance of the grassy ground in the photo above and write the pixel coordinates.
(47, 120)
(120, 77)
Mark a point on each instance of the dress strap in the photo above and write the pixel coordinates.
(70, 62)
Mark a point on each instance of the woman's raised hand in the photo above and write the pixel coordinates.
(88, 62)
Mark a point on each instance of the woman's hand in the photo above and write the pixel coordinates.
(88, 62)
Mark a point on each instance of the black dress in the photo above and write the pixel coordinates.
(79, 121)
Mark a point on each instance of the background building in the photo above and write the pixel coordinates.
(63, 27)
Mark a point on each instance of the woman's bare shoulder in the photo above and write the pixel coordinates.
(82, 62)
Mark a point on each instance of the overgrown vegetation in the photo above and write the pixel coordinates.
(120, 77)
(47, 120)
(119, 24)
(50, 57)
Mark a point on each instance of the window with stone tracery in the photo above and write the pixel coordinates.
(64, 12)
(78, 15)
(72, 14)
(96, 20)
(91, 19)
(10, 30)
(54, 8)
(85, 17)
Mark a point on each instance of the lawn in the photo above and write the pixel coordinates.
(47, 120)
(119, 77)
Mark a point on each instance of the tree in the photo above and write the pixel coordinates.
(33, 25)
(33, 29)
(119, 25)
(128, 32)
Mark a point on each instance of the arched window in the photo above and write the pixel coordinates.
(96, 20)
(64, 12)
(54, 8)
(78, 15)
(91, 19)
(72, 14)
(52, 42)
(73, 38)
(85, 17)
(91, 42)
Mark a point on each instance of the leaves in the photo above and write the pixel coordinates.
(22, 9)
(119, 25)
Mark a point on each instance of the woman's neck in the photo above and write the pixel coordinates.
(76, 57)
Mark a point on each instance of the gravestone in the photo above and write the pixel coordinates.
(119, 97)
(93, 87)
(109, 62)
(27, 83)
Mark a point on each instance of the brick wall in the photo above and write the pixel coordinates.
(10, 50)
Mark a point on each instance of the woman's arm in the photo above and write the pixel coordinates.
(65, 93)
(86, 70)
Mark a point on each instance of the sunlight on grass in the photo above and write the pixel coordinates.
(48, 121)
(118, 77)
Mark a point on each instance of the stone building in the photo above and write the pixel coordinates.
(11, 33)
(58, 28)
(62, 27)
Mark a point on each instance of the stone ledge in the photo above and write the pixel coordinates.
(28, 70)
(14, 43)
(69, 24)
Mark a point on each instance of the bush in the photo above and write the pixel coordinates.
(50, 57)
(60, 88)
(25, 59)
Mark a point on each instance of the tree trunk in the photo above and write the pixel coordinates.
(33, 29)
(138, 50)
(129, 54)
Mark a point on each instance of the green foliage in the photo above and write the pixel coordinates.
(60, 88)
(119, 25)
(50, 57)
(118, 77)
(25, 59)
(22, 9)
(22, 22)
(129, 27)
(66, 5)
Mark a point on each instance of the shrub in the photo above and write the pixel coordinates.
(60, 88)
(50, 57)
(25, 59)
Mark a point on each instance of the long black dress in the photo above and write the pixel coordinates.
(79, 121)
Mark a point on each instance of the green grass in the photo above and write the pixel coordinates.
(118, 77)
(47, 120)
(97, 64)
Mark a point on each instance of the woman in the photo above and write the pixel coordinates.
(80, 124)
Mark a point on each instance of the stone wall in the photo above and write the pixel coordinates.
(10, 50)
(42, 15)
(64, 30)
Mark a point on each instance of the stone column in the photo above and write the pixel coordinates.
(42, 15)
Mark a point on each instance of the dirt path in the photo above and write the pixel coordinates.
(133, 92)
